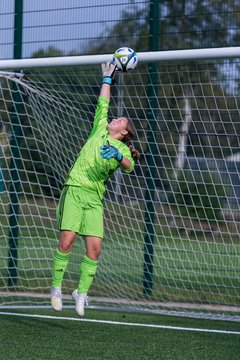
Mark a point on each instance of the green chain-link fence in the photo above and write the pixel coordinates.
(59, 27)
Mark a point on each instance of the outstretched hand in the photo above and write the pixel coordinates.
(108, 152)
(108, 69)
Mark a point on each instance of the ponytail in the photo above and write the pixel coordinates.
(134, 152)
(131, 132)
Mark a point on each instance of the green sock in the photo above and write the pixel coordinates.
(59, 267)
(88, 269)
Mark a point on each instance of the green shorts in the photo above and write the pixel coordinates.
(81, 211)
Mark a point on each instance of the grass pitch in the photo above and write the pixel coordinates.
(100, 335)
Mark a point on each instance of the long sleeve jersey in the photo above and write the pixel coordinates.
(90, 170)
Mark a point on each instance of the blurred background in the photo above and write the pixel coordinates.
(60, 28)
(180, 247)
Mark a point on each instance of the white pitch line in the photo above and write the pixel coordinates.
(122, 323)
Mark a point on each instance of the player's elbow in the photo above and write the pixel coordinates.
(128, 168)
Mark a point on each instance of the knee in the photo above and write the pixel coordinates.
(93, 247)
(65, 248)
(97, 253)
(66, 241)
(94, 254)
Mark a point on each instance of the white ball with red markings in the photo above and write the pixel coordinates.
(125, 58)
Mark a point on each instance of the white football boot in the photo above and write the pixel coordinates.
(80, 302)
(56, 298)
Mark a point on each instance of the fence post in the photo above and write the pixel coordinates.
(150, 173)
(15, 159)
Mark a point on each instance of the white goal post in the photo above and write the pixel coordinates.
(154, 56)
(172, 226)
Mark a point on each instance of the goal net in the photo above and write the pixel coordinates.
(172, 227)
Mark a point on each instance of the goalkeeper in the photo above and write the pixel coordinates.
(80, 209)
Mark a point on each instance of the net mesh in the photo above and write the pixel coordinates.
(171, 227)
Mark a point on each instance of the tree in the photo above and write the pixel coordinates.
(199, 197)
(59, 96)
(184, 24)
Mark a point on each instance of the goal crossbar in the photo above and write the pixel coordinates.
(172, 55)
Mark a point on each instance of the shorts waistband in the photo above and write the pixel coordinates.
(91, 191)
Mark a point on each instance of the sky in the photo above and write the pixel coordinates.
(66, 24)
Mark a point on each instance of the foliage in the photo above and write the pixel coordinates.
(60, 97)
(183, 24)
(199, 196)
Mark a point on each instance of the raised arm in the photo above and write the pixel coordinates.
(108, 71)
(105, 91)
(100, 119)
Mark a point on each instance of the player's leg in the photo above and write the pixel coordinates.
(92, 231)
(69, 217)
(60, 263)
(88, 265)
(61, 256)
(88, 269)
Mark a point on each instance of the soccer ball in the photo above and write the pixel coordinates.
(125, 58)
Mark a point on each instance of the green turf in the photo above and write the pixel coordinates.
(24, 338)
(185, 270)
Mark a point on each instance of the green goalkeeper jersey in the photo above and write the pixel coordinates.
(90, 170)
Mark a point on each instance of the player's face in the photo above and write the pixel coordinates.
(118, 125)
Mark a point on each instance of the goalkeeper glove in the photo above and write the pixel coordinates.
(108, 71)
(108, 152)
